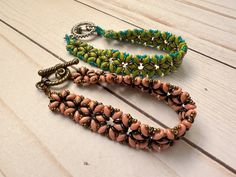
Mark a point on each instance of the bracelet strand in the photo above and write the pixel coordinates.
(124, 63)
(118, 126)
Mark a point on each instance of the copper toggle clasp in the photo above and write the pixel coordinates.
(61, 71)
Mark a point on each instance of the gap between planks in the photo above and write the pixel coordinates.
(209, 155)
(50, 156)
(206, 8)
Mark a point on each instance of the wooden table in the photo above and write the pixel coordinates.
(35, 142)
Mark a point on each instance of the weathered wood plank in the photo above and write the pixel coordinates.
(21, 153)
(228, 4)
(79, 151)
(210, 83)
(213, 7)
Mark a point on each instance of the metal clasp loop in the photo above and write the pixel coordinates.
(62, 73)
(83, 29)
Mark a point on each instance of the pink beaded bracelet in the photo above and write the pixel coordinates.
(112, 122)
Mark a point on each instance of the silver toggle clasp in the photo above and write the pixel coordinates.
(83, 29)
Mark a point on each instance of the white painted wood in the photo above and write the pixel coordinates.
(67, 147)
(62, 141)
(229, 4)
(196, 75)
(213, 7)
(21, 152)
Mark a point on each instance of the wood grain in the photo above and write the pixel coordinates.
(191, 76)
(69, 144)
(19, 155)
(211, 7)
(31, 42)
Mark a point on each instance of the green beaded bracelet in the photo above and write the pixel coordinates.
(124, 63)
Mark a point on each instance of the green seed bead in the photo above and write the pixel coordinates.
(173, 68)
(83, 44)
(75, 50)
(172, 38)
(86, 56)
(104, 52)
(128, 58)
(72, 42)
(178, 63)
(121, 56)
(143, 73)
(136, 60)
(104, 58)
(143, 34)
(168, 48)
(157, 34)
(151, 73)
(99, 52)
(91, 59)
(179, 57)
(149, 34)
(109, 53)
(91, 49)
(119, 70)
(168, 58)
(126, 71)
(181, 45)
(177, 41)
(116, 62)
(167, 71)
(132, 66)
(159, 72)
(164, 66)
(154, 59)
(104, 66)
(92, 54)
(145, 60)
(69, 46)
(77, 43)
(164, 36)
(111, 68)
(129, 33)
(161, 46)
(115, 54)
(81, 49)
(80, 53)
(98, 62)
(148, 67)
(135, 73)
(163, 60)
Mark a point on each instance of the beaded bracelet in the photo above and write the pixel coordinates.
(112, 122)
(124, 63)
